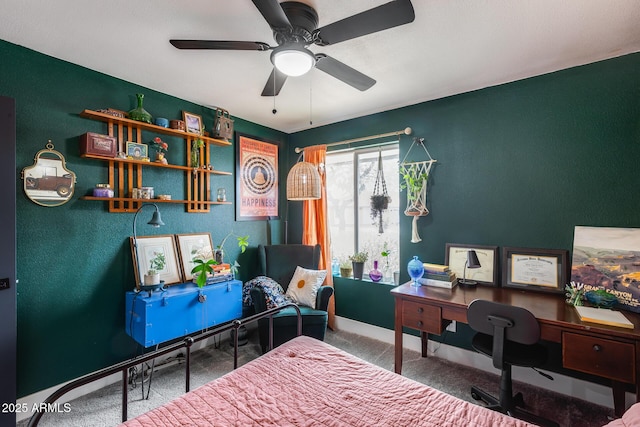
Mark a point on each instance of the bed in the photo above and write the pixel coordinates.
(306, 382)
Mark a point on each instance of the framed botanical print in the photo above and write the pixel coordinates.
(156, 253)
(256, 178)
(193, 246)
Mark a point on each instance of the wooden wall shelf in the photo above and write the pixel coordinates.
(103, 117)
(155, 164)
(126, 174)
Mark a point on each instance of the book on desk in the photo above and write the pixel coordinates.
(439, 283)
(603, 316)
(439, 276)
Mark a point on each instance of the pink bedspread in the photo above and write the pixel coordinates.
(631, 418)
(306, 382)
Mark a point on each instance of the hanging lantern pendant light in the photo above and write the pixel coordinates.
(303, 182)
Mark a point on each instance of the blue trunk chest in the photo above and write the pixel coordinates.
(180, 310)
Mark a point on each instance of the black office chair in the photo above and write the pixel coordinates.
(510, 336)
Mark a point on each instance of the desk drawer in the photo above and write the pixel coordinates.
(423, 317)
(599, 356)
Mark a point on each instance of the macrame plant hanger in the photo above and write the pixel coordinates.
(416, 177)
(379, 200)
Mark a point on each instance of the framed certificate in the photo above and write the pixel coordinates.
(456, 255)
(535, 269)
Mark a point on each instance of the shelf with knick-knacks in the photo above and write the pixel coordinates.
(125, 173)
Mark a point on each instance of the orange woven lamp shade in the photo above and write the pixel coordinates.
(303, 182)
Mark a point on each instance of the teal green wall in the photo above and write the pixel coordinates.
(519, 164)
(74, 261)
(364, 301)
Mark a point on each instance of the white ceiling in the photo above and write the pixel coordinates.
(453, 46)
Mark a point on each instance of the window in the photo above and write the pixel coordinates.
(351, 177)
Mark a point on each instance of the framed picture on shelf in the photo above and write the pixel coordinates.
(156, 253)
(488, 274)
(193, 246)
(256, 178)
(544, 270)
(137, 151)
(192, 122)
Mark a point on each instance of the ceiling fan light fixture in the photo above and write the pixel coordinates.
(293, 60)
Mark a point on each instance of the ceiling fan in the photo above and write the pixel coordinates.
(294, 26)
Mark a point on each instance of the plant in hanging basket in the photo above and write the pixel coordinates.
(379, 202)
(380, 199)
(413, 180)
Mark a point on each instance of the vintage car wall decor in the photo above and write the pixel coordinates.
(48, 182)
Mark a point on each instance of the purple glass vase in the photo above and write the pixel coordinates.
(375, 275)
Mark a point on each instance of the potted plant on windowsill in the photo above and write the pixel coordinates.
(357, 261)
(346, 267)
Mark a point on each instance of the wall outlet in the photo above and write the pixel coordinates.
(452, 326)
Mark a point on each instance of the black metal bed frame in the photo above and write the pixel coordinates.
(123, 367)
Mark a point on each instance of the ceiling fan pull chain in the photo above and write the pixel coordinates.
(274, 111)
(310, 100)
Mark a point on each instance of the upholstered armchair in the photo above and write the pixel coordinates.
(279, 262)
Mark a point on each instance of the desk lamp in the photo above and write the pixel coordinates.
(156, 221)
(471, 262)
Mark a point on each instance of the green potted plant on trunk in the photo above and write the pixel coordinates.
(204, 268)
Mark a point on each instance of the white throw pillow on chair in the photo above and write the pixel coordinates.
(304, 286)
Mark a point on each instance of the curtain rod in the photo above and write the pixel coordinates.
(405, 131)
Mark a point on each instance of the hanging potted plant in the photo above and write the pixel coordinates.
(196, 145)
(379, 203)
(380, 198)
(414, 180)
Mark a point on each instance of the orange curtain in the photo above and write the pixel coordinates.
(314, 222)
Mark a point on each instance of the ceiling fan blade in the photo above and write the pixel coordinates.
(219, 45)
(343, 72)
(275, 83)
(388, 15)
(272, 12)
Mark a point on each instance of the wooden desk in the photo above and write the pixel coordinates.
(605, 351)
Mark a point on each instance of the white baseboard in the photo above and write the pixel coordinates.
(590, 392)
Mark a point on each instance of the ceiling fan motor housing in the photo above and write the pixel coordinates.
(303, 19)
